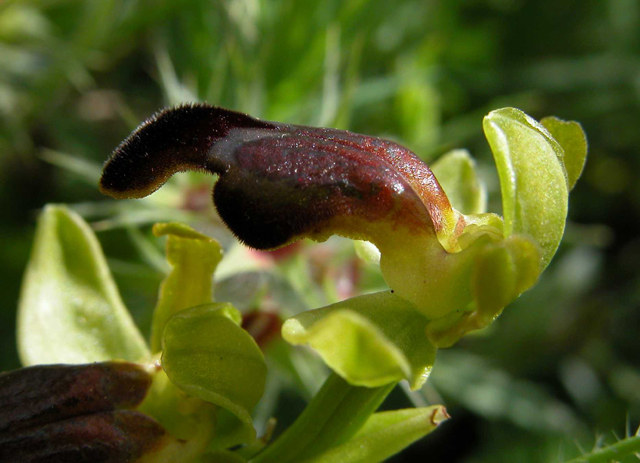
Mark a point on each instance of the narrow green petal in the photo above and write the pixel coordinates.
(574, 143)
(456, 173)
(193, 258)
(369, 340)
(344, 338)
(70, 310)
(209, 356)
(385, 434)
(532, 178)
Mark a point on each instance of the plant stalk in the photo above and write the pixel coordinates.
(612, 452)
(332, 417)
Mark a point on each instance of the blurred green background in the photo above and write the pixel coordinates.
(559, 371)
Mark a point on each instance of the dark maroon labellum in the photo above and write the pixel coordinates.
(280, 182)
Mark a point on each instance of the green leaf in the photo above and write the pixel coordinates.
(207, 355)
(385, 434)
(532, 178)
(84, 169)
(369, 340)
(573, 141)
(456, 173)
(193, 257)
(614, 452)
(70, 310)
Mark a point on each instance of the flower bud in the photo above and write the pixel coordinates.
(78, 413)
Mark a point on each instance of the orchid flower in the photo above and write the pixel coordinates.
(450, 271)
(450, 266)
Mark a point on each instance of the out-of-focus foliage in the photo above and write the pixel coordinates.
(76, 77)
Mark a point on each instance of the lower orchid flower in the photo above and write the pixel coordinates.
(81, 413)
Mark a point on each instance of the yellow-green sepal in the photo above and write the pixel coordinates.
(193, 258)
(70, 310)
(370, 340)
(207, 355)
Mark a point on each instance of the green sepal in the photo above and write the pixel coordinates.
(207, 355)
(70, 310)
(186, 418)
(533, 180)
(230, 431)
(502, 271)
(193, 258)
(369, 340)
(384, 435)
(224, 309)
(572, 139)
(456, 173)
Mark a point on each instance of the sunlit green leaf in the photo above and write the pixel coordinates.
(532, 178)
(456, 173)
(194, 257)
(70, 309)
(21, 21)
(417, 108)
(207, 355)
(573, 141)
(385, 434)
(369, 340)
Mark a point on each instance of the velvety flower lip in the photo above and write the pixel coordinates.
(279, 182)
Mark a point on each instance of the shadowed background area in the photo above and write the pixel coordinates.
(561, 365)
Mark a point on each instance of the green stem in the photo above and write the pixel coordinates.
(612, 452)
(332, 417)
